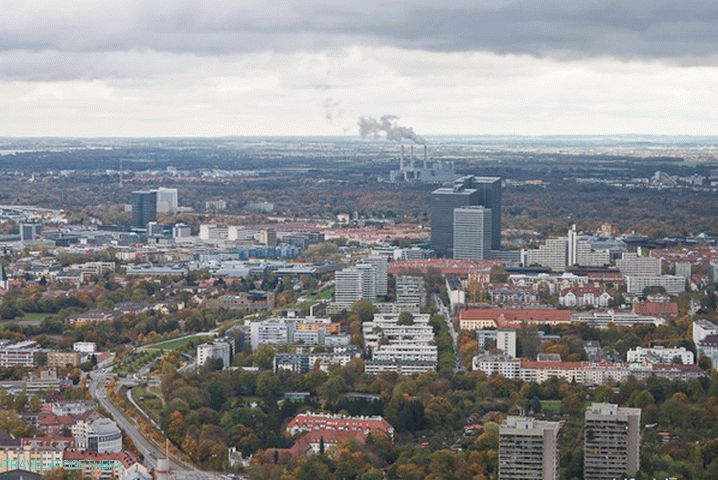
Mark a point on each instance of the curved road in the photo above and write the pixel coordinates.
(151, 453)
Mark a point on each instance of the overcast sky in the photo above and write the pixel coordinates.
(310, 67)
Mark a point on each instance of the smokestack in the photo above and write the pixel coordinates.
(411, 156)
(401, 165)
(426, 159)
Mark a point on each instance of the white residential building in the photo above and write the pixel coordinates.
(634, 265)
(354, 284)
(221, 349)
(672, 284)
(84, 347)
(410, 289)
(381, 265)
(660, 354)
(625, 319)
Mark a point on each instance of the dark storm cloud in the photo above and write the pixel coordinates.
(659, 29)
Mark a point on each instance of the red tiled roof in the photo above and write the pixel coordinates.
(317, 422)
(56, 420)
(656, 308)
(516, 314)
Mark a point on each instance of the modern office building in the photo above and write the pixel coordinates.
(166, 200)
(612, 442)
(464, 192)
(144, 208)
(528, 449)
(472, 232)
(29, 231)
(381, 265)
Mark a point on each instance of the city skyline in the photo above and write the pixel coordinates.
(313, 69)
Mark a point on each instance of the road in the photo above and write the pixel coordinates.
(149, 451)
(444, 311)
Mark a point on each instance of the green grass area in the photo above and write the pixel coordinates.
(149, 401)
(34, 316)
(134, 362)
(551, 406)
(325, 294)
(176, 343)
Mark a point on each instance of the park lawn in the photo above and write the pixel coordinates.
(551, 406)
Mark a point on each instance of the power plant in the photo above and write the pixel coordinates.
(412, 169)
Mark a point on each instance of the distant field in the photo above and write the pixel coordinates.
(33, 316)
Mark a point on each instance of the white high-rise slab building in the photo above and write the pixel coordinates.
(354, 284)
(472, 232)
(381, 265)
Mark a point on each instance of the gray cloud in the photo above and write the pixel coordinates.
(662, 29)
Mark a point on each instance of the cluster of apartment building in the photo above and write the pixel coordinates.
(529, 450)
(29, 354)
(404, 347)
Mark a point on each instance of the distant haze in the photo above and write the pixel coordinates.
(318, 67)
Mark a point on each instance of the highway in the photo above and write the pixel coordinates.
(151, 453)
(444, 311)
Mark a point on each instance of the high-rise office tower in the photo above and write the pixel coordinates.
(472, 232)
(465, 191)
(166, 200)
(144, 208)
(528, 449)
(612, 442)
(489, 191)
(381, 265)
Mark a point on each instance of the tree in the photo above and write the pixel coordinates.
(364, 310)
(405, 318)
(269, 387)
(536, 404)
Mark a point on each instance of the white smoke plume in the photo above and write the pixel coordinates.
(387, 127)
